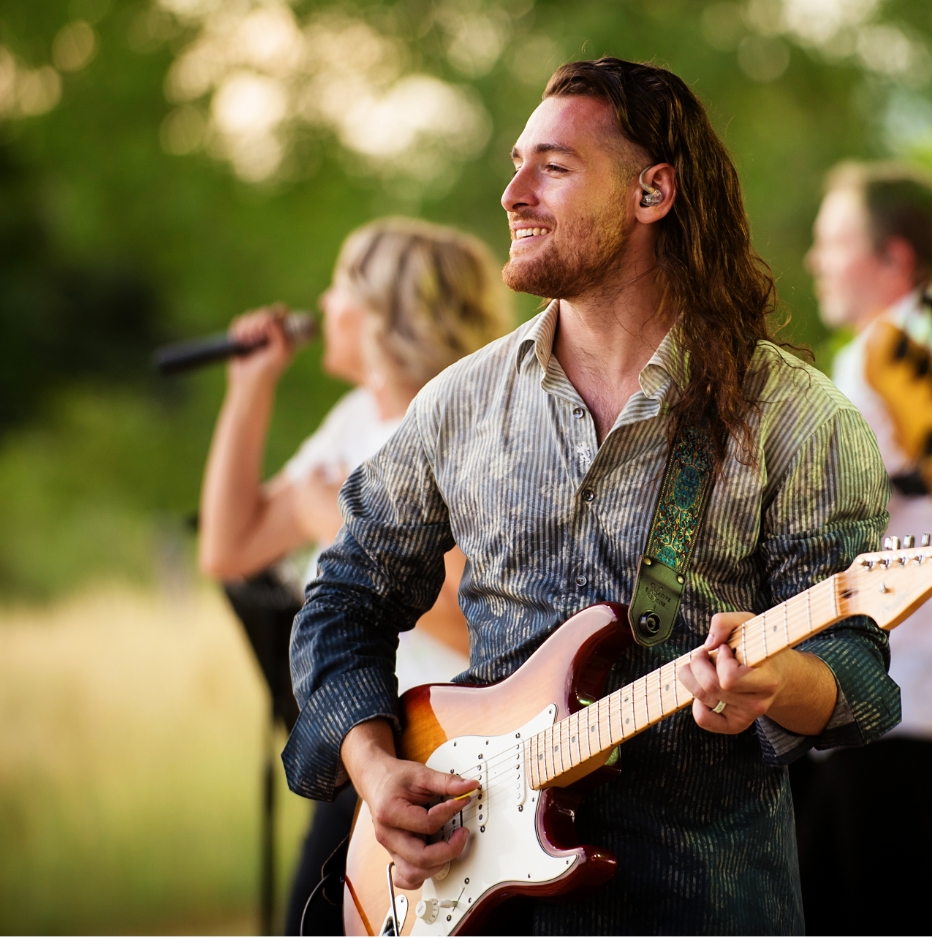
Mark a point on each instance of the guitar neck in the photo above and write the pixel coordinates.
(556, 754)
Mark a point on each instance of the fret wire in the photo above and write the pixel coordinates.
(658, 695)
(555, 750)
(575, 753)
(566, 752)
(662, 684)
(605, 721)
(636, 698)
(667, 687)
(614, 725)
(626, 696)
(585, 742)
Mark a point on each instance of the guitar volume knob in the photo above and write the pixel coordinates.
(428, 910)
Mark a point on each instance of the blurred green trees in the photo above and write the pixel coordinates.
(166, 164)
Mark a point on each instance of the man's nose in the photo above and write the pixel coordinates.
(520, 191)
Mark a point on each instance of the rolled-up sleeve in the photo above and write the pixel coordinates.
(382, 573)
(829, 507)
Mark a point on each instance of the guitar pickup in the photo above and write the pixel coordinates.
(520, 788)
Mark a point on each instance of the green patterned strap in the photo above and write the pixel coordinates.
(684, 493)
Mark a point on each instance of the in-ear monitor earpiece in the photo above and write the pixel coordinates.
(651, 195)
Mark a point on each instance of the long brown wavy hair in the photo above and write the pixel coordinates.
(724, 291)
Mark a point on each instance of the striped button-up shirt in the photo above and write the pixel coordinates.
(499, 456)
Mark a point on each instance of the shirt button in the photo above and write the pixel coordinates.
(578, 412)
(581, 581)
(588, 495)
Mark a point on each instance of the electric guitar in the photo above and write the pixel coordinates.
(530, 740)
(900, 371)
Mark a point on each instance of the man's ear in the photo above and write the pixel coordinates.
(656, 192)
(900, 256)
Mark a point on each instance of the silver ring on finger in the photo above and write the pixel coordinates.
(719, 707)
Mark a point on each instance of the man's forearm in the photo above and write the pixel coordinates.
(807, 695)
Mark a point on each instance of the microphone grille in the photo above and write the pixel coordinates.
(301, 327)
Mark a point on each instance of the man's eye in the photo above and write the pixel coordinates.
(553, 168)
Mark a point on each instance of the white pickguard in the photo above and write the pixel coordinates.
(508, 849)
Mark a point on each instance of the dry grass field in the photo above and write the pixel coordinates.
(132, 730)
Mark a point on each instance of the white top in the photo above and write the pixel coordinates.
(911, 642)
(351, 433)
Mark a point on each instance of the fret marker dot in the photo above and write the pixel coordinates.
(627, 721)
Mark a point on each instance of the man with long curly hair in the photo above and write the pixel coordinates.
(542, 455)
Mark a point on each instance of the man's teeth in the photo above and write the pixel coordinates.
(530, 232)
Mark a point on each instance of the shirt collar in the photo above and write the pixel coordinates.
(668, 363)
(539, 337)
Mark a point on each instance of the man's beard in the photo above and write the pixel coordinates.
(583, 258)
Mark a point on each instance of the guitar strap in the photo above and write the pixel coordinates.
(684, 494)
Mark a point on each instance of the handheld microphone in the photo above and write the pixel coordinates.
(299, 326)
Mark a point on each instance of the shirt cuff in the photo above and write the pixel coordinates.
(867, 703)
(312, 754)
(781, 747)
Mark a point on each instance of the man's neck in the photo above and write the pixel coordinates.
(874, 312)
(606, 337)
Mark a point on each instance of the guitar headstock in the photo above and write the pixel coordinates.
(888, 585)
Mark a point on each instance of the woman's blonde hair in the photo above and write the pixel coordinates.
(435, 293)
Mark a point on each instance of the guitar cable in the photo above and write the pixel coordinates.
(310, 899)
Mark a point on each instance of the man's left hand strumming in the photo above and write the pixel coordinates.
(794, 689)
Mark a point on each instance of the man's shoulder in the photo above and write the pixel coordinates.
(778, 378)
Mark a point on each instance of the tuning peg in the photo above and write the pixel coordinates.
(925, 540)
(909, 541)
(891, 543)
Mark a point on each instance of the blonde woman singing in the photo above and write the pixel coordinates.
(407, 299)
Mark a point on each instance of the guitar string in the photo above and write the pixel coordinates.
(756, 626)
(495, 792)
(495, 764)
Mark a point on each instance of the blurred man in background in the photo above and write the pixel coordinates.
(862, 812)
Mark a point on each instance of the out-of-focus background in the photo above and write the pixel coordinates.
(167, 164)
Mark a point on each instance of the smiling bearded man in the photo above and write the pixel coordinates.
(541, 456)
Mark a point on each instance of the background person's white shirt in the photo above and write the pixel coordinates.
(351, 433)
(911, 642)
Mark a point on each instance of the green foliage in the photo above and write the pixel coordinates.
(111, 244)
